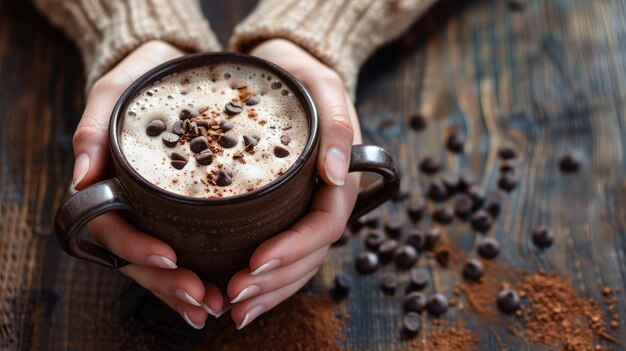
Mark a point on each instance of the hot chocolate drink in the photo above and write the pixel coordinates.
(214, 131)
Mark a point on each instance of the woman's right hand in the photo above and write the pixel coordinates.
(152, 262)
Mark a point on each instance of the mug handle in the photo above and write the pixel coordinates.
(371, 158)
(89, 203)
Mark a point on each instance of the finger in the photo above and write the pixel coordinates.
(247, 311)
(244, 286)
(124, 240)
(91, 137)
(214, 303)
(194, 316)
(322, 226)
(336, 129)
(180, 284)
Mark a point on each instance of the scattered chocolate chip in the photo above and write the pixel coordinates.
(227, 141)
(507, 166)
(374, 239)
(443, 214)
(280, 152)
(394, 225)
(415, 239)
(517, 5)
(437, 304)
(437, 191)
(507, 181)
(452, 181)
(389, 283)
(412, 323)
(429, 165)
(478, 196)
(431, 238)
(415, 208)
(489, 248)
(405, 256)
(155, 127)
(185, 114)
(204, 124)
(463, 206)
(569, 163)
(508, 300)
(223, 179)
(198, 144)
(253, 100)
(481, 221)
(386, 249)
(367, 262)
(418, 279)
(226, 125)
(467, 178)
(345, 236)
(178, 128)
(415, 302)
(232, 109)
(205, 157)
(455, 142)
(169, 139)
(473, 269)
(418, 122)
(250, 142)
(277, 85)
(543, 236)
(493, 203)
(178, 161)
(285, 139)
(507, 152)
(343, 284)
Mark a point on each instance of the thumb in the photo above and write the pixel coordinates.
(336, 127)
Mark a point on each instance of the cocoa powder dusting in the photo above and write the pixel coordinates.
(447, 338)
(304, 322)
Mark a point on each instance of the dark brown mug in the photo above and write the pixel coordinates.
(213, 237)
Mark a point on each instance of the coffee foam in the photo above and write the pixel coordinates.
(206, 91)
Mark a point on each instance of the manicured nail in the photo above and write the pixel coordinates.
(336, 165)
(224, 310)
(161, 262)
(182, 295)
(210, 311)
(81, 167)
(252, 314)
(267, 266)
(192, 324)
(250, 291)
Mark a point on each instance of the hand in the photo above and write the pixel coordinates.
(284, 263)
(152, 262)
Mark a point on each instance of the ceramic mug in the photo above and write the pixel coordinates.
(214, 237)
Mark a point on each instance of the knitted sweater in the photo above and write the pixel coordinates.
(340, 33)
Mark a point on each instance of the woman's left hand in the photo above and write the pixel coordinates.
(284, 263)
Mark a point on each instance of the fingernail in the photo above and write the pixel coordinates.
(182, 295)
(81, 167)
(336, 166)
(267, 266)
(226, 309)
(250, 291)
(161, 262)
(252, 314)
(194, 325)
(210, 311)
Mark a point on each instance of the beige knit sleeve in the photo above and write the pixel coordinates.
(340, 33)
(108, 30)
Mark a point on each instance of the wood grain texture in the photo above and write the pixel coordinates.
(548, 79)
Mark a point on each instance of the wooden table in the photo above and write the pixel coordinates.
(548, 79)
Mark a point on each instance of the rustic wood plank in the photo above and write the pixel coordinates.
(547, 79)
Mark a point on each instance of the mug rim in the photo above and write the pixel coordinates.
(192, 61)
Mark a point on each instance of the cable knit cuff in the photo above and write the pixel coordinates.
(108, 30)
(340, 33)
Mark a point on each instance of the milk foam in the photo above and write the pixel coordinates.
(206, 91)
